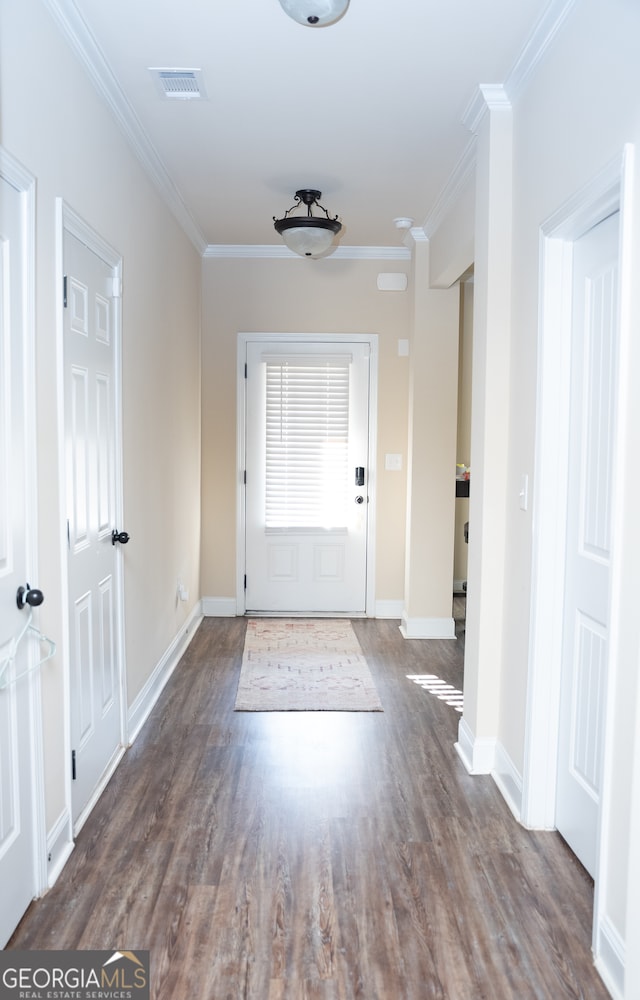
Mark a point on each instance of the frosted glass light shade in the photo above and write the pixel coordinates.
(308, 240)
(314, 13)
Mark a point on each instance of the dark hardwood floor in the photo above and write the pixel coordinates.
(316, 856)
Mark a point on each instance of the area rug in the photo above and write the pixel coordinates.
(303, 665)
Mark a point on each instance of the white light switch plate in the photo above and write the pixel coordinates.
(393, 463)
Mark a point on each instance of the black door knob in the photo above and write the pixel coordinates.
(119, 536)
(30, 596)
(359, 499)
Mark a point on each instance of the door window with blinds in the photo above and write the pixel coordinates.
(306, 442)
(306, 512)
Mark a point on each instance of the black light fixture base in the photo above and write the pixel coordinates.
(308, 196)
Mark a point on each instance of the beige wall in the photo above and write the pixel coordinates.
(53, 122)
(433, 394)
(298, 296)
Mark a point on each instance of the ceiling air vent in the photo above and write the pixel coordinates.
(179, 84)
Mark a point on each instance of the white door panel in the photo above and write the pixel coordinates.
(90, 447)
(307, 430)
(17, 663)
(588, 553)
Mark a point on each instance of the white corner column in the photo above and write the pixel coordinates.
(490, 117)
(433, 393)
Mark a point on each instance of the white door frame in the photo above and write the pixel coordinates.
(67, 220)
(609, 192)
(243, 338)
(24, 182)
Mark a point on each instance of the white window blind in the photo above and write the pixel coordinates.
(307, 441)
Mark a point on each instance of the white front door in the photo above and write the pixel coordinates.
(307, 478)
(18, 692)
(588, 551)
(91, 423)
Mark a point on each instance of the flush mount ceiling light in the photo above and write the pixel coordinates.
(308, 235)
(314, 13)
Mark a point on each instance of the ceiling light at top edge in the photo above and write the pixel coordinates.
(314, 13)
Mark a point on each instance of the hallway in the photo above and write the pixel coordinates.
(317, 856)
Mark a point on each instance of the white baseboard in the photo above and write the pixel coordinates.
(428, 628)
(105, 778)
(59, 846)
(226, 607)
(509, 780)
(389, 609)
(219, 607)
(146, 699)
(610, 958)
(478, 756)
(488, 756)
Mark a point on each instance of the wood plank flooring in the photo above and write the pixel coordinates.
(319, 856)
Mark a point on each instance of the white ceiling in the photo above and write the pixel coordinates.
(369, 110)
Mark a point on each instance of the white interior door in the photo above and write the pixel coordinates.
(588, 552)
(91, 400)
(18, 783)
(306, 505)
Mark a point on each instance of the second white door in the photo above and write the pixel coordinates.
(92, 503)
(307, 478)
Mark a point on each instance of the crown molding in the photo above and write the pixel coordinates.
(489, 97)
(537, 45)
(415, 235)
(462, 172)
(76, 31)
(221, 251)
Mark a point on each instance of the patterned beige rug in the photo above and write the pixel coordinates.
(304, 665)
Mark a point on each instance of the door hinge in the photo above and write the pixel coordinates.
(73, 765)
(245, 581)
(245, 369)
(64, 292)
(245, 477)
